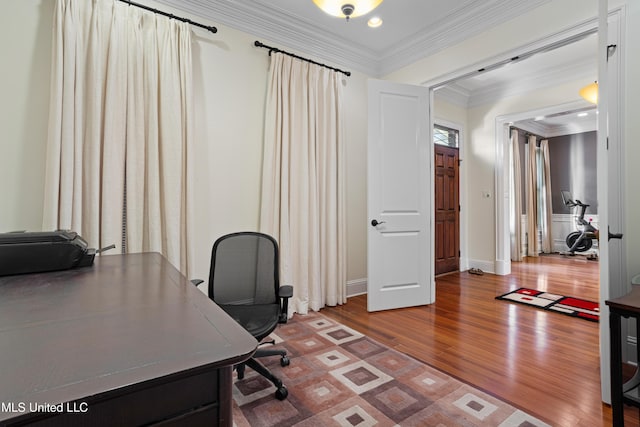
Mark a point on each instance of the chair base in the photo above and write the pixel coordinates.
(281, 390)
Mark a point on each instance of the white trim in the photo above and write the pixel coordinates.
(503, 242)
(548, 77)
(573, 33)
(484, 265)
(458, 28)
(356, 287)
(501, 179)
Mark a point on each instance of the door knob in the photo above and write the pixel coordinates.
(614, 235)
(375, 222)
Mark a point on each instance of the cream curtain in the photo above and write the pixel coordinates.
(532, 198)
(516, 202)
(120, 128)
(546, 197)
(302, 204)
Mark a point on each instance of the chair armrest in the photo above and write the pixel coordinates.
(196, 282)
(284, 293)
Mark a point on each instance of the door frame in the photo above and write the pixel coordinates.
(503, 213)
(503, 257)
(462, 185)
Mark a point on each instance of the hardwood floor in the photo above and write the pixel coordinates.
(542, 362)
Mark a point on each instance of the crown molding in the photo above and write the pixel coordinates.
(463, 24)
(533, 127)
(279, 26)
(552, 131)
(536, 79)
(294, 32)
(454, 94)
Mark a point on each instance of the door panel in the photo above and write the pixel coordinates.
(447, 214)
(399, 197)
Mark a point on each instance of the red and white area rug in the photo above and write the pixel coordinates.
(339, 377)
(570, 306)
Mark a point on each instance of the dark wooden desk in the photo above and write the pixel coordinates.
(127, 341)
(622, 393)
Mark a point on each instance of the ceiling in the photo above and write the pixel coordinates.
(411, 30)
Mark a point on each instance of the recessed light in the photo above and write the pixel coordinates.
(537, 119)
(374, 22)
(583, 114)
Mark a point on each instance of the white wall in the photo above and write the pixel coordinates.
(25, 34)
(230, 85)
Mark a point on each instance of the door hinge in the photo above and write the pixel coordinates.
(611, 50)
(459, 208)
(607, 143)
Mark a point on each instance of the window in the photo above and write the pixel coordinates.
(445, 136)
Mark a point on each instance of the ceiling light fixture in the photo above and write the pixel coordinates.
(590, 92)
(347, 8)
(374, 22)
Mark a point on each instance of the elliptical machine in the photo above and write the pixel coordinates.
(581, 240)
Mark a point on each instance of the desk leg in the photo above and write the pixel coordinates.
(225, 396)
(617, 406)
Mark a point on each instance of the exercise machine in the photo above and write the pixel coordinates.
(581, 240)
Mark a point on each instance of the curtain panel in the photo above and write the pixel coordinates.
(302, 202)
(516, 201)
(120, 128)
(531, 179)
(546, 196)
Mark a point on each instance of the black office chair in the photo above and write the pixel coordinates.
(244, 282)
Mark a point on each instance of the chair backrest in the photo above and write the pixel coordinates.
(244, 269)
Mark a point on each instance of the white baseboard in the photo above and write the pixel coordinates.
(359, 286)
(486, 266)
(503, 268)
(356, 287)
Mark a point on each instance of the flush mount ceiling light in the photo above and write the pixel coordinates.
(347, 8)
(374, 22)
(590, 92)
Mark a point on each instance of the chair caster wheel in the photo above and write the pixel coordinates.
(282, 393)
(284, 361)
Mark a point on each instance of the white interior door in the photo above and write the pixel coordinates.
(400, 261)
(613, 270)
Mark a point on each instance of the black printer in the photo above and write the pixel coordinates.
(33, 252)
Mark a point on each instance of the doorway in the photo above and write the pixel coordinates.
(446, 201)
(490, 149)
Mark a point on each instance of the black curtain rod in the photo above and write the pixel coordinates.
(177, 18)
(526, 133)
(275, 49)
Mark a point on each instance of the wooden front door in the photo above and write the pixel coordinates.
(447, 210)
